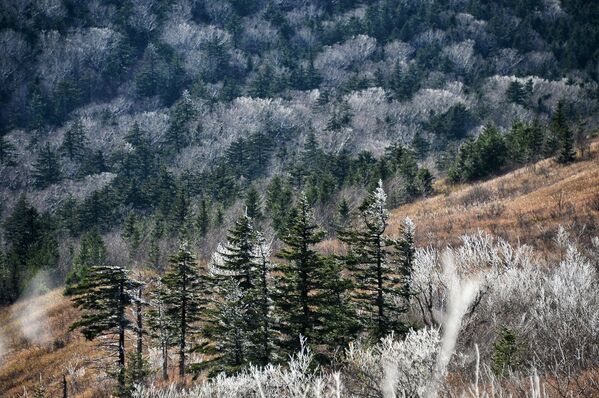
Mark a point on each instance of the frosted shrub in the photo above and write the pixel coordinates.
(296, 380)
(394, 367)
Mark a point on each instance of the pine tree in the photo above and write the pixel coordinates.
(343, 212)
(6, 152)
(92, 252)
(137, 369)
(162, 327)
(369, 261)
(240, 272)
(184, 289)
(203, 221)
(301, 281)
(46, 168)
(73, 144)
(253, 207)
(516, 93)
(178, 134)
(404, 257)
(103, 295)
(563, 133)
(424, 181)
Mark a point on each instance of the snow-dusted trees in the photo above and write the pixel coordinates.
(104, 295)
(377, 280)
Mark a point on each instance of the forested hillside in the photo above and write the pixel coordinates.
(212, 179)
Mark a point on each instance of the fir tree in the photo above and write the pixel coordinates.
(240, 272)
(301, 283)
(404, 257)
(178, 134)
(516, 93)
(46, 168)
(92, 252)
(253, 207)
(424, 181)
(184, 288)
(103, 295)
(369, 260)
(6, 152)
(73, 144)
(563, 133)
(162, 327)
(203, 221)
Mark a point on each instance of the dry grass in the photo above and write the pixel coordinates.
(526, 205)
(61, 353)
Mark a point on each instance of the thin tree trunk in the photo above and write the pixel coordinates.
(64, 387)
(164, 361)
(121, 312)
(139, 325)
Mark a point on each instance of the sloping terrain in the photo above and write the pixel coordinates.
(38, 348)
(525, 205)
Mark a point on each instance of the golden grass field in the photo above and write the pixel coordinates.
(525, 205)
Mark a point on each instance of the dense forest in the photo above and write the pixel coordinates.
(190, 161)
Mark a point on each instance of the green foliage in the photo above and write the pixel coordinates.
(369, 259)
(184, 297)
(6, 152)
(507, 352)
(453, 124)
(73, 144)
(92, 252)
(103, 295)
(30, 247)
(46, 168)
(563, 134)
(301, 297)
(479, 158)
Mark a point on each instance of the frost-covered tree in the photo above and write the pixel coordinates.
(103, 295)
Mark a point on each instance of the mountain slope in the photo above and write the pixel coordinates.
(525, 205)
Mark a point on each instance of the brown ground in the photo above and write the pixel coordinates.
(526, 205)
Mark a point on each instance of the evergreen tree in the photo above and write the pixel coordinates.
(104, 295)
(253, 207)
(203, 221)
(178, 134)
(162, 327)
(420, 145)
(563, 133)
(369, 260)
(278, 199)
(241, 272)
(343, 212)
(6, 152)
(92, 252)
(137, 366)
(404, 257)
(131, 232)
(30, 246)
(424, 181)
(300, 298)
(46, 168)
(73, 144)
(184, 289)
(516, 93)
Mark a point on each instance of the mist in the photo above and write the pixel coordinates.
(31, 314)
